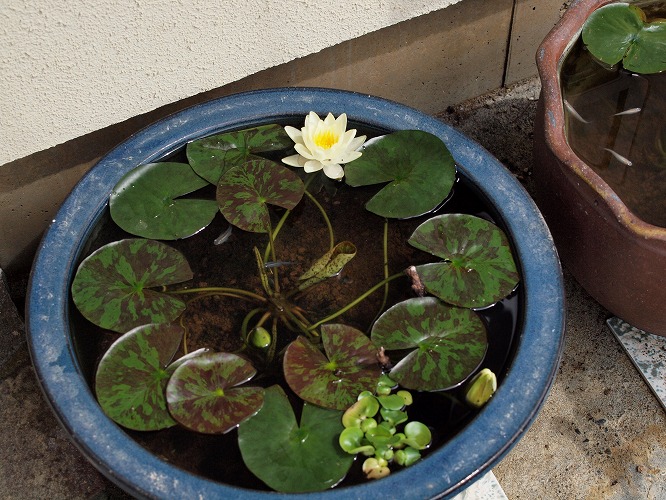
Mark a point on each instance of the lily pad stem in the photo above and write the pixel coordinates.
(356, 301)
(331, 236)
(386, 274)
(220, 290)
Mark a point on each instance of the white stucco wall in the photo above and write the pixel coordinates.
(71, 67)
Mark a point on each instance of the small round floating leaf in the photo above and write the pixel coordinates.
(351, 440)
(113, 286)
(418, 436)
(478, 268)
(363, 409)
(333, 380)
(375, 468)
(408, 456)
(392, 402)
(132, 377)
(448, 343)
(202, 393)
(618, 32)
(212, 156)
(418, 167)
(393, 417)
(289, 457)
(244, 192)
(146, 202)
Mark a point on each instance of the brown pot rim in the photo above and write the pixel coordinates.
(549, 57)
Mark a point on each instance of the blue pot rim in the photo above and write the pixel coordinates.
(457, 464)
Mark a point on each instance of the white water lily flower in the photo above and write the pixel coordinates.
(324, 144)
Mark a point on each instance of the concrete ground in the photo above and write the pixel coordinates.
(599, 435)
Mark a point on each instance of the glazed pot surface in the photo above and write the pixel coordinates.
(447, 470)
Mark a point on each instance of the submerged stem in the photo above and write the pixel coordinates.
(356, 301)
(220, 290)
(331, 236)
(271, 242)
(386, 274)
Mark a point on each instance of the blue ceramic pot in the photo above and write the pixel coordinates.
(457, 464)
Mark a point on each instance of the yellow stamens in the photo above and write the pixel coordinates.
(325, 139)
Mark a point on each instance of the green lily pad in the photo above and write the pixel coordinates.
(328, 265)
(478, 268)
(113, 286)
(289, 457)
(333, 380)
(132, 377)
(146, 202)
(418, 167)
(244, 192)
(212, 156)
(202, 393)
(618, 32)
(447, 343)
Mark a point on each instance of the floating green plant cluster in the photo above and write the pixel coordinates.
(147, 380)
(377, 426)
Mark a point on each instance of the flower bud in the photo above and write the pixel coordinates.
(481, 388)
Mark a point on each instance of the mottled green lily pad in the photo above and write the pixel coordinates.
(291, 457)
(245, 191)
(113, 287)
(333, 380)
(618, 32)
(132, 377)
(418, 167)
(147, 202)
(447, 343)
(478, 268)
(212, 156)
(203, 393)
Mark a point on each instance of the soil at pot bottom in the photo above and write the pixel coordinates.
(214, 322)
(615, 124)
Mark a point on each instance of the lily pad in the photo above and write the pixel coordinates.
(478, 268)
(289, 457)
(333, 380)
(244, 192)
(212, 156)
(418, 167)
(146, 202)
(132, 377)
(113, 286)
(328, 265)
(618, 32)
(202, 393)
(446, 343)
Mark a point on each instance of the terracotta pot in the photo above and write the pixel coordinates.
(617, 257)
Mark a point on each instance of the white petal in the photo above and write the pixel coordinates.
(334, 171)
(303, 150)
(350, 156)
(312, 166)
(311, 121)
(329, 121)
(357, 143)
(295, 161)
(295, 134)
